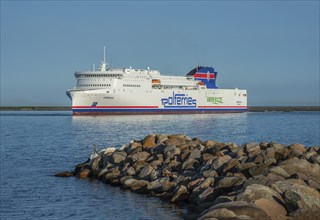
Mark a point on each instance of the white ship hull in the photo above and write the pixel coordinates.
(136, 91)
(157, 102)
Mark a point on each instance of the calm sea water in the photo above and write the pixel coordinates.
(36, 145)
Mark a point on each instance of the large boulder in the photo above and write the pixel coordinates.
(305, 214)
(272, 208)
(238, 208)
(230, 165)
(139, 186)
(298, 147)
(128, 183)
(161, 185)
(180, 194)
(82, 170)
(217, 214)
(176, 139)
(296, 165)
(195, 154)
(193, 183)
(219, 161)
(281, 151)
(112, 177)
(134, 147)
(279, 171)
(258, 169)
(229, 182)
(146, 172)
(118, 156)
(298, 195)
(267, 199)
(149, 141)
(270, 152)
(252, 148)
(257, 191)
(141, 156)
(171, 151)
(245, 166)
(208, 195)
(190, 164)
(160, 138)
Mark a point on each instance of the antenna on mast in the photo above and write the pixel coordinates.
(103, 65)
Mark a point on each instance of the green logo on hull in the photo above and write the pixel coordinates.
(215, 100)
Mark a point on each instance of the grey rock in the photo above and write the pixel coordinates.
(208, 194)
(112, 175)
(128, 183)
(279, 171)
(246, 166)
(228, 182)
(195, 154)
(160, 138)
(258, 169)
(156, 186)
(118, 156)
(252, 148)
(146, 172)
(210, 173)
(270, 152)
(219, 161)
(295, 165)
(231, 164)
(257, 191)
(131, 171)
(139, 186)
(239, 208)
(298, 195)
(190, 164)
(180, 194)
(171, 150)
(141, 156)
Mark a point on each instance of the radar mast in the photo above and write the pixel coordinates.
(103, 65)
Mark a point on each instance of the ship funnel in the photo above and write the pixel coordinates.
(206, 75)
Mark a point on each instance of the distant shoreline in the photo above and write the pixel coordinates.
(250, 108)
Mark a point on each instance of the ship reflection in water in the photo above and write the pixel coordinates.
(118, 130)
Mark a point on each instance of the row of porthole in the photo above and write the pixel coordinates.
(128, 85)
(99, 75)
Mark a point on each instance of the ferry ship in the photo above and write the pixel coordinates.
(146, 91)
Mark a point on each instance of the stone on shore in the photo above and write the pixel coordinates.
(64, 174)
(215, 180)
(239, 208)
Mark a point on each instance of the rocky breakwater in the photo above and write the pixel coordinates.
(215, 180)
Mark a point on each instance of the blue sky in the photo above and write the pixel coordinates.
(270, 48)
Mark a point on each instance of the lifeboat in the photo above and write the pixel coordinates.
(156, 81)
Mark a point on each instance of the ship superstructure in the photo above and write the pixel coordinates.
(146, 91)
